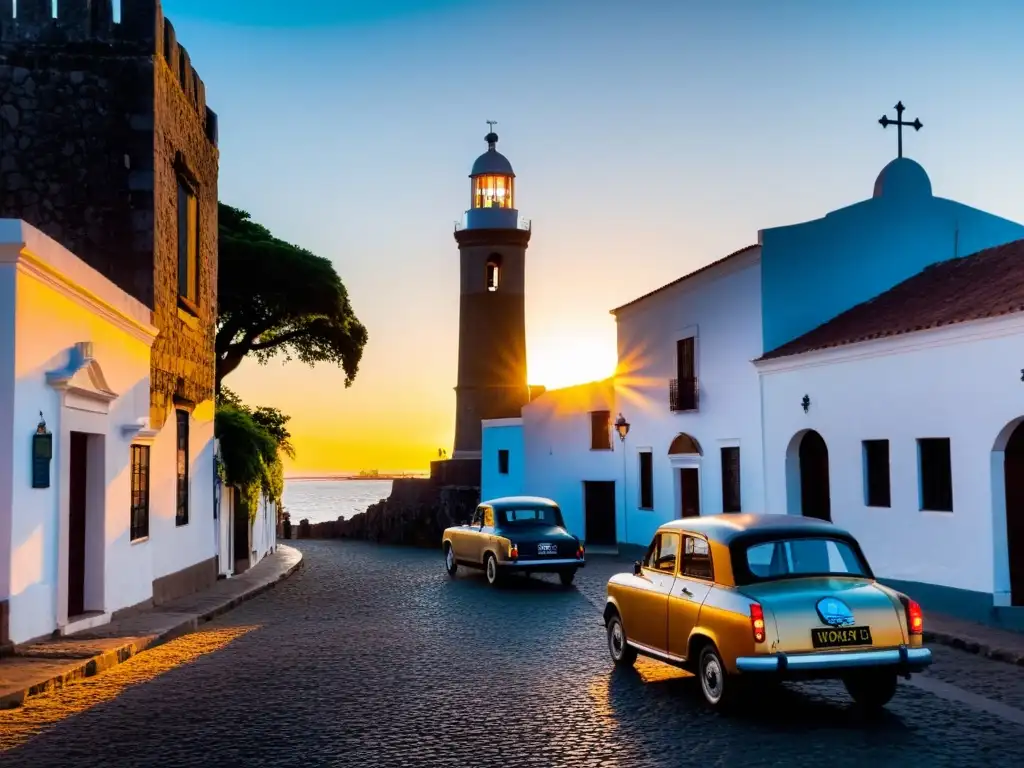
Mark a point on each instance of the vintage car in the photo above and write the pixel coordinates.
(744, 598)
(515, 534)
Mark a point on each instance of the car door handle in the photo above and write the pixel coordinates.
(687, 592)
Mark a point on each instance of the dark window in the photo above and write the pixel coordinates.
(478, 516)
(731, 479)
(646, 480)
(181, 516)
(936, 474)
(600, 430)
(876, 473)
(188, 243)
(697, 559)
(502, 462)
(683, 394)
(663, 553)
(140, 492)
(789, 557)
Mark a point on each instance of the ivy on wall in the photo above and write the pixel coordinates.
(252, 441)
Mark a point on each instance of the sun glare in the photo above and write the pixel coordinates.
(561, 361)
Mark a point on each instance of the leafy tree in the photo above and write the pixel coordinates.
(278, 298)
(251, 443)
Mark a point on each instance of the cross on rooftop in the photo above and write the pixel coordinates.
(899, 122)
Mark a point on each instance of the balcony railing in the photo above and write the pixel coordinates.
(683, 395)
(521, 223)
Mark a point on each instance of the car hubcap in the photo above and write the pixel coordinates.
(449, 558)
(490, 569)
(711, 680)
(616, 638)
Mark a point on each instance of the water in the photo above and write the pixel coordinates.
(320, 501)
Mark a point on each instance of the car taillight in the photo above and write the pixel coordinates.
(513, 551)
(579, 552)
(915, 616)
(757, 622)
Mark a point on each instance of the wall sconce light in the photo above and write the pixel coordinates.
(622, 427)
(42, 452)
(806, 403)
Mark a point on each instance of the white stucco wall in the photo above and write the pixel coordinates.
(558, 457)
(59, 302)
(499, 435)
(962, 382)
(721, 307)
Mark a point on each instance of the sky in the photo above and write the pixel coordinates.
(648, 138)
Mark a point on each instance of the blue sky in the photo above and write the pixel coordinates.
(648, 137)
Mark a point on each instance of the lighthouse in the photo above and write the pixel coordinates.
(492, 243)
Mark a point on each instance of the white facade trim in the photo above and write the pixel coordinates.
(960, 333)
(508, 422)
(63, 272)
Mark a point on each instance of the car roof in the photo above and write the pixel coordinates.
(518, 502)
(725, 527)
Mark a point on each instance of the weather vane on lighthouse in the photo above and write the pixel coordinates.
(491, 124)
(899, 122)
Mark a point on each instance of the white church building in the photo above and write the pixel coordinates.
(734, 404)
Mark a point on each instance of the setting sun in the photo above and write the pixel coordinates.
(563, 359)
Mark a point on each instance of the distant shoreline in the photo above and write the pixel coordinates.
(357, 477)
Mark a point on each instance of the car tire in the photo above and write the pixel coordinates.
(718, 688)
(872, 690)
(622, 653)
(491, 570)
(449, 560)
(567, 576)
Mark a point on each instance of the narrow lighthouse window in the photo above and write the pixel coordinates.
(492, 276)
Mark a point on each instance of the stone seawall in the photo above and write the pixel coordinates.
(416, 513)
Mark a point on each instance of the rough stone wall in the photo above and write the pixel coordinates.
(67, 143)
(96, 121)
(183, 355)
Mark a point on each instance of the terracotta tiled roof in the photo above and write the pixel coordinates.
(684, 278)
(986, 284)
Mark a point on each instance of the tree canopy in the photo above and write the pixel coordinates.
(278, 298)
(251, 443)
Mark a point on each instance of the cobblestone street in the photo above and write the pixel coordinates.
(371, 656)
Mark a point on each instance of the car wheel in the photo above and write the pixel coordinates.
(871, 690)
(717, 686)
(622, 653)
(491, 569)
(566, 577)
(449, 560)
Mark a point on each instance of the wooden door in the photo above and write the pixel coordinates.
(815, 496)
(599, 513)
(240, 537)
(689, 492)
(1013, 471)
(76, 522)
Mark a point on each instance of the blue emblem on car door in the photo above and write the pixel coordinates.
(834, 613)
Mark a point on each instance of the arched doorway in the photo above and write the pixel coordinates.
(684, 455)
(1013, 478)
(815, 497)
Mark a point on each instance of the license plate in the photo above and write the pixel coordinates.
(546, 549)
(836, 637)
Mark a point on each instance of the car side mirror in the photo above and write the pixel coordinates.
(636, 568)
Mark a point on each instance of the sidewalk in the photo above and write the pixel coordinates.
(50, 664)
(999, 644)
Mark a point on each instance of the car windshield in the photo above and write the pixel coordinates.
(790, 558)
(531, 516)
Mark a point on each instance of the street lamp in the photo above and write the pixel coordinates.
(622, 427)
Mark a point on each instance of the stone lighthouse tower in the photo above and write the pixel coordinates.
(492, 313)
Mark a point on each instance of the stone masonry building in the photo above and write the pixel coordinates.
(104, 129)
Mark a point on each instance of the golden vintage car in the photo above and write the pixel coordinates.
(514, 534)
(739, 598)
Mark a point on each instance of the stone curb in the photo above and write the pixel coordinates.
(108, 659)
(963, 643)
